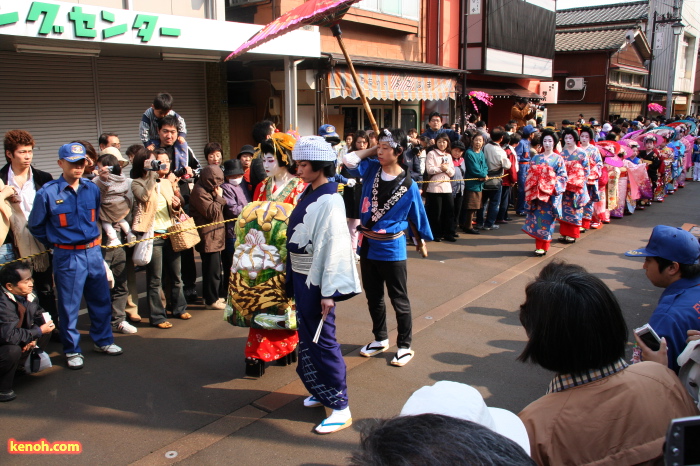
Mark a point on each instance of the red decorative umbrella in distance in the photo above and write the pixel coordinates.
(316, 13)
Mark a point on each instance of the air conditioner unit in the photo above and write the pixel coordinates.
(574, 84)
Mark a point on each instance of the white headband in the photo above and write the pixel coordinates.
(388, 138)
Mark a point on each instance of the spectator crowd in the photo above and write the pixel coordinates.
(108, 217)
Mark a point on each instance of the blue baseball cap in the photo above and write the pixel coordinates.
(72, 152)
(670, 243)
(328, 132)
(528, 130)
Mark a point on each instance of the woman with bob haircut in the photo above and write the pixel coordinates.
(597, 408)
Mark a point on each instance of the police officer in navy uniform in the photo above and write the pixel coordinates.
(65, 217)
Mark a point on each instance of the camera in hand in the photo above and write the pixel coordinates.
(157, 166)
(682, 446)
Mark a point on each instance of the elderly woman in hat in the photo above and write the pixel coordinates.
(320, 271)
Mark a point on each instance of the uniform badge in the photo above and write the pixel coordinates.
(59, 201)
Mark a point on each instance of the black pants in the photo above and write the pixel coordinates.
(440, 210)
(10, 357)
(374, 275)
(457, 209)
(211, 276)
(116, 259)
(44, 289)
(226, 262)
(189, 269)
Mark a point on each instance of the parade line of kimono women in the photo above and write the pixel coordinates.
(590, 183)
(294, 257)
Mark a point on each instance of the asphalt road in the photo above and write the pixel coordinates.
(179, 395)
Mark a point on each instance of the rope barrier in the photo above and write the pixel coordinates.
(133, 243)
(125, 245)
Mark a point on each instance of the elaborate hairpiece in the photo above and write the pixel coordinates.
(388, 138)
(284, 144)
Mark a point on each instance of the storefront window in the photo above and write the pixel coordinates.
(351, 119)
(403, 8)
(409, 119)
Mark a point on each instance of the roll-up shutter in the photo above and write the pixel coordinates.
(60, 99)
(51, 97)
(558, 112)
(127, 87)
(625, 109)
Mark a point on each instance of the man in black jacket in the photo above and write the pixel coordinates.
(27, 180)
(22, 325)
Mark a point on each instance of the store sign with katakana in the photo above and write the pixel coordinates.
(99, 25)
(70, 21)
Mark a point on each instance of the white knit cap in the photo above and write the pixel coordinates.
(313, 148)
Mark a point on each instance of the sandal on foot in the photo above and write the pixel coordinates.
(375, 347)
(540, 252)
(184, 316)
(338, 420)
(403, 356)
(312, 402)
(163, 325)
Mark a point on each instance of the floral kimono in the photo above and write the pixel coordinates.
(546, 181)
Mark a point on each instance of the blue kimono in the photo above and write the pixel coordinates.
(572, 202)
(542, 215)
(320, 264)
(406, 206)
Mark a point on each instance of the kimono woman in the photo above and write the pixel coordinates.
(650, 156)
(544, 186)
(595, 164)
(627, 190)
(281, 185)
(665, 171)
(576, 194)
(390, 201)
(320, 272)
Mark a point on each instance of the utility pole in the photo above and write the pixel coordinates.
(672, 68)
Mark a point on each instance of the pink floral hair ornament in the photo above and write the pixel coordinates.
(656, 108)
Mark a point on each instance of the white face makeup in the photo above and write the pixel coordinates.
(585, 138)
(569, 141)
(548, 143)
(272, 168)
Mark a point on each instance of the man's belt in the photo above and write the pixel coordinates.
(78, 246)
(379, 236)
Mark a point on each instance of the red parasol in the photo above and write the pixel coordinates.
(313, 12)
(317, 13)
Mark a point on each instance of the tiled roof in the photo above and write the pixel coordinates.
(596, 15)
(576, 40)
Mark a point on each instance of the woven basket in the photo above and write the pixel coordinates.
(181, 240)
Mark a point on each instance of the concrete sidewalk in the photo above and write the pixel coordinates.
(180, 395)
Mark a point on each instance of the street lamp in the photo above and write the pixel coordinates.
(677, 28)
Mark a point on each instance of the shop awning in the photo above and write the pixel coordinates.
(390, 84)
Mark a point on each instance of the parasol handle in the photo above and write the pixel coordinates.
(337, 33)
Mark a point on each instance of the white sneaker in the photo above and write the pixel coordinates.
(375, 347)
(217, 306)
(112, 350)
(312, 402)
(126, 327)
(74, 361)
(403, 356)
(338, 420)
